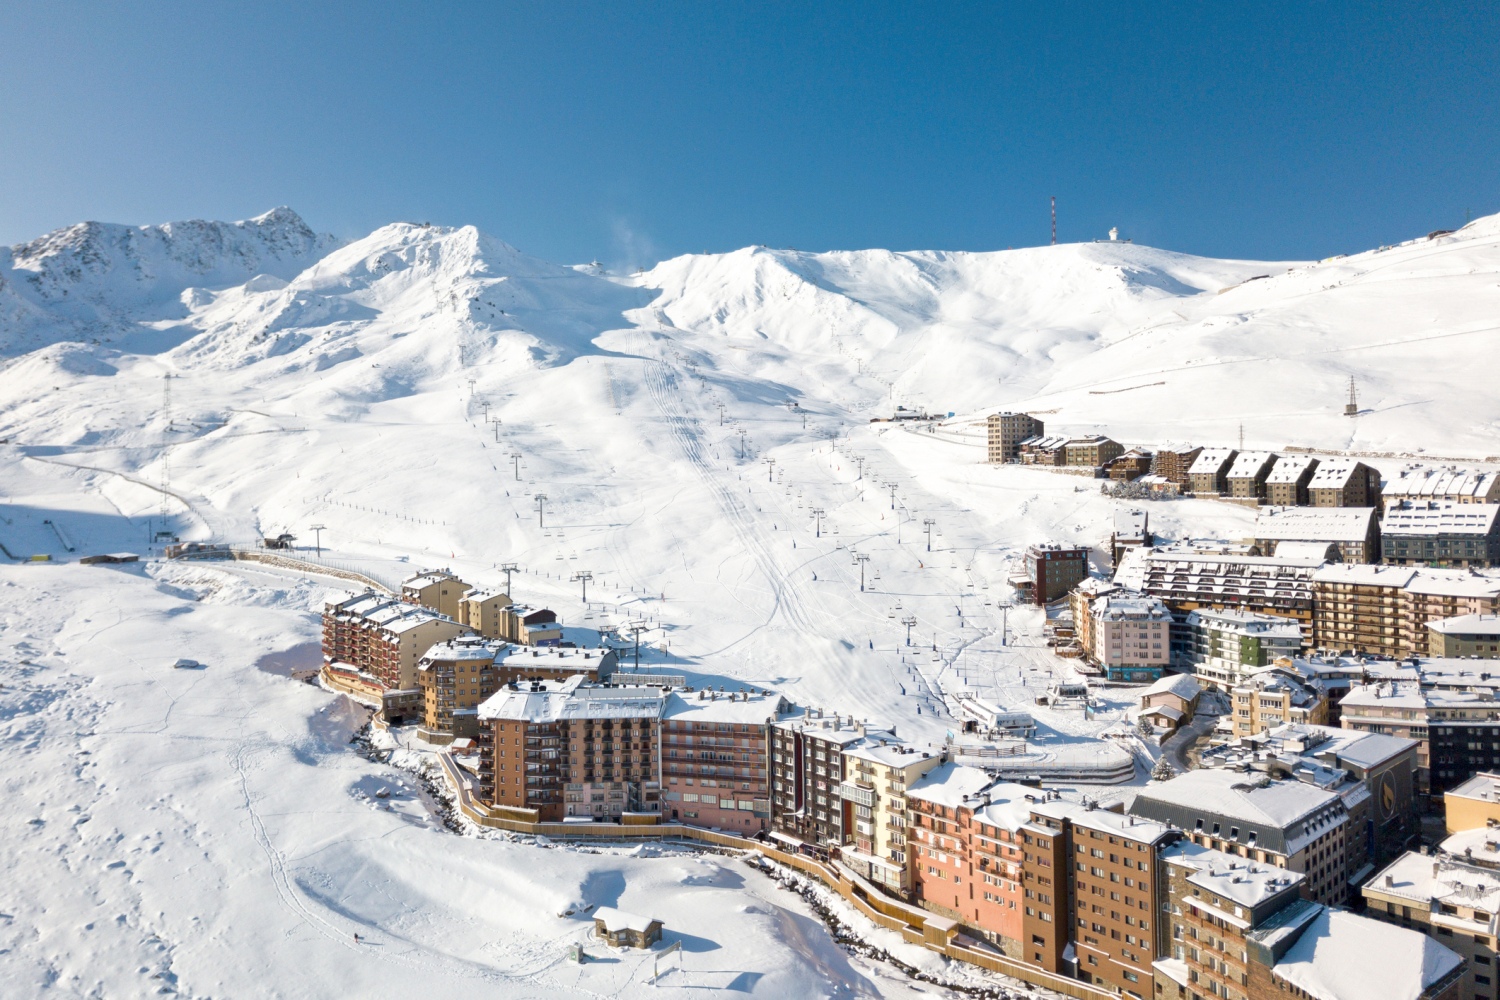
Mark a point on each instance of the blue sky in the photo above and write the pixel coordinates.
(632, 132)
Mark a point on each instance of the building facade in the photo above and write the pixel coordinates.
(1132, 637)
(1438, 533)
(1172, 462)
(1354, 530)
(1007, 431)
(1091, 451)
(1051, 571)
(1222, 648)
(438, 590)
(455, 677)
(1272, 697)
(1286, 486)
(1475, 636)
(880, 773)
(1247, 476)
(558, 749)
(1343, 482)
(716, 758)
(1289, 824)
(1209, 474)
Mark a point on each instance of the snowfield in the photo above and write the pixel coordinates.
(213, 834)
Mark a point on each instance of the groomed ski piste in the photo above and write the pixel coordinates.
(201, 833)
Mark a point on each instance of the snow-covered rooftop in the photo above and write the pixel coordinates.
(950, 785)
(1314, 524)
(615, 920)
(1248, 464)
(1345, 956)
(558, 701)
(1333, 473)
(1415, 482)
(1438, 517)
(1478, 625)
(1184, 686)
(1279, 816)
(1210, 461)
(1240, 880)
(1289, 468)
(735, 707)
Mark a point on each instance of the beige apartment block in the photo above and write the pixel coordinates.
(437, 589)
(484, 611)
(1007, 431)
(877, 774)
(1473, 804)
(1273, 697)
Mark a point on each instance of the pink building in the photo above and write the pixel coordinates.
(716, 758)
(1131, 637)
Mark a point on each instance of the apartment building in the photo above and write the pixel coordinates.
(1248, 474)
(1454, 903)
(454, 678)
(555, 663)
(1434, 594)
(1091, 451)
(716, 758)
(1343, 482)
(1214, 901)
(1354, 530)
(1132, 530)
(437, 589)
(1375, 775)
(1286, 486)
(1051, 571)
(965, 852)
(1289, 824)
(1420, 483)
(371, 647)
(1457, 732)
(556, 749)
(1130, 466)
(1044, 449)
(1173, 461)
(486, 612)
(808, 769)
(1007, 431)
(1245, 932)
(1112, 918)
(1209, 473)
(1080, 603)
(1473, 804)
(1131, 637)
(1475, 636)
(1271, 585)
(1222, 648)
(880, 773)
(1439, 533)
(1385, 610)
(1360, 608)
(530, 626)
(1273, 696)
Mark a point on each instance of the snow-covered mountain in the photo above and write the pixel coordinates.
(431, 396)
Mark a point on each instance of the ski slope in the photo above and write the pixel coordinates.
(417, 390)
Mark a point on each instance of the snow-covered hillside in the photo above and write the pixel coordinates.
(424, 391)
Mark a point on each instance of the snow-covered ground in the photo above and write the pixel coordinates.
(417, 390)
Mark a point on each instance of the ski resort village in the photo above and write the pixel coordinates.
(1086, 620)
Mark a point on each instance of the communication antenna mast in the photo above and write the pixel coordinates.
(1242, 437)
(1351, 408)
(1054, 220)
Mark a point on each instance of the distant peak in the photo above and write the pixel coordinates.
(281, 215)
